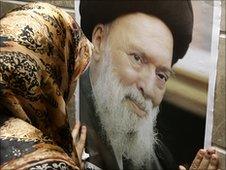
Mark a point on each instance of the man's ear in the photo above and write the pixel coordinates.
(97, 40)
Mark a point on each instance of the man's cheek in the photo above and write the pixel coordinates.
(128, 76)
(158, 96)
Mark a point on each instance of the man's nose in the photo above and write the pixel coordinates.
(146, 85)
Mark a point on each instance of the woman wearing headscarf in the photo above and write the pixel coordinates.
(43, 53)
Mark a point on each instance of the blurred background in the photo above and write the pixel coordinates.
(181, 121)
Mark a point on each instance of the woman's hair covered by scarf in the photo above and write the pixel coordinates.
(43, 53)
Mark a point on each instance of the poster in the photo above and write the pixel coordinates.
(188, 90)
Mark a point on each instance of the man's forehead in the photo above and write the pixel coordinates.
(140, 26)
(145, 35)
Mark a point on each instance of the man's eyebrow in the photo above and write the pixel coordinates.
(165, 69)
(137, 49)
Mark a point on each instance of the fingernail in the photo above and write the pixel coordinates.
(213, 158)
(202, 152)
(211, 150)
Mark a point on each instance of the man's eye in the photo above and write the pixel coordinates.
(162, 76)
(136, 57)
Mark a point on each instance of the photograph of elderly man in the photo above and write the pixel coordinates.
(136, 44)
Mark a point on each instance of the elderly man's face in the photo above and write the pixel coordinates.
(141, 50)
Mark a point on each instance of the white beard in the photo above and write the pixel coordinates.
(130, 135)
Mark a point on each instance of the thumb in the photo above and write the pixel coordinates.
(182, 167)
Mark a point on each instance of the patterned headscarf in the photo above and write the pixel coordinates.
(43, 52)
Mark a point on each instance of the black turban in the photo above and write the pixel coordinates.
(176, 14)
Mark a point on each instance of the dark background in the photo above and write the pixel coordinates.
(181, 131)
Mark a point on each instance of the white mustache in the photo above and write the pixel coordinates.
(135, 95)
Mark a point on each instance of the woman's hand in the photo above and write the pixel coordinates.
(206, 159)
(79, 139)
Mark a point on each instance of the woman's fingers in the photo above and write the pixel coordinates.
(214, 161)
(79, 140)
(205, 160)
(75, 131)
(198, 159)
(82, 140)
